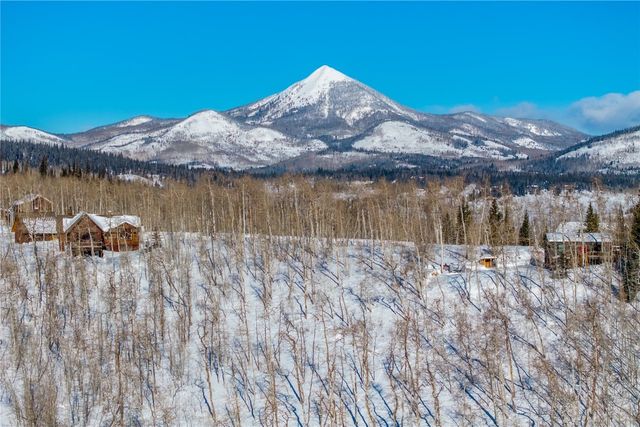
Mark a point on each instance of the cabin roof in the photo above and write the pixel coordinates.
(105, 223)
(28, 199)
(40, 225)
(570, 227)
(578, 237)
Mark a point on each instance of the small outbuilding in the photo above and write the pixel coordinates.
(487, 261)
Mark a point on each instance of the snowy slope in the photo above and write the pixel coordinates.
(208, 139)
(24, 133)
(257, 330)
(399, 137)
(326, 103)
(331, 105)
(326, 106)
(619, 151)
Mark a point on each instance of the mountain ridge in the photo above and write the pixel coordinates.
(326, 111)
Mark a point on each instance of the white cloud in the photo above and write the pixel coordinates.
(605, 113)
(594, 114)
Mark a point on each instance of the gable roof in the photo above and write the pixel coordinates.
(28, 199)
(105, 223)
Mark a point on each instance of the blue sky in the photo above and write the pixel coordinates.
(70, 66)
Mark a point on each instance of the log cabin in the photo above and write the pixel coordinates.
(34, 227)
(90, 234)
(81, 235)
(30, 204)
(122, 233)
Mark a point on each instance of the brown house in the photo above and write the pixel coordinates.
(90, 234)
(29, 204)
(32, 203)
(122, 233)
(34, 228)
(576, 249)
(81, 235)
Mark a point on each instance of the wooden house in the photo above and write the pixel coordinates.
(29, 204)
(122, 233)
(81, 234)
(576, 249)
(34, 227)
(90, 234)
(32, 203)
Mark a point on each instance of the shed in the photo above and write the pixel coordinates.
(485, 257)
(34, 228)
(487, 261)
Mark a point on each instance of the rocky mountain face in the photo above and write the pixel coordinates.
(326, 114)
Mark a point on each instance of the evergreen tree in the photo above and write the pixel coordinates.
(463, 222)
(507, 227)
(495, 217)
(592, 221)
(44, 166)
(631, 263)
(524, 236)
(448, 229)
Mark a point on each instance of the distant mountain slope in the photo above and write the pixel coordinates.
(205, 139)
(400, 137)
(615, 152)
(332, 106)
(327, 103)
(327, 111)
(24, 133)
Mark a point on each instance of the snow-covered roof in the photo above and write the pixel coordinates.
(105, 223)
(579, 237)
(40, 225)
(570, 227)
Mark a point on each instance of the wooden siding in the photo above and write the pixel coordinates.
(571, 254)
(83, 238)
(23, 235)
(125, 237)
(38, 204)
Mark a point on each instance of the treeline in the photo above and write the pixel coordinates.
(544, 174)
(16, 157)
(440, 211)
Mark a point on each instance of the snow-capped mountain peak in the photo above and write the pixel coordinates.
(319, 81)
(24, 133)
(326, 103)
(135, 121)
(202, 124)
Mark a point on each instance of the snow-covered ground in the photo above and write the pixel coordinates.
(253, 330)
